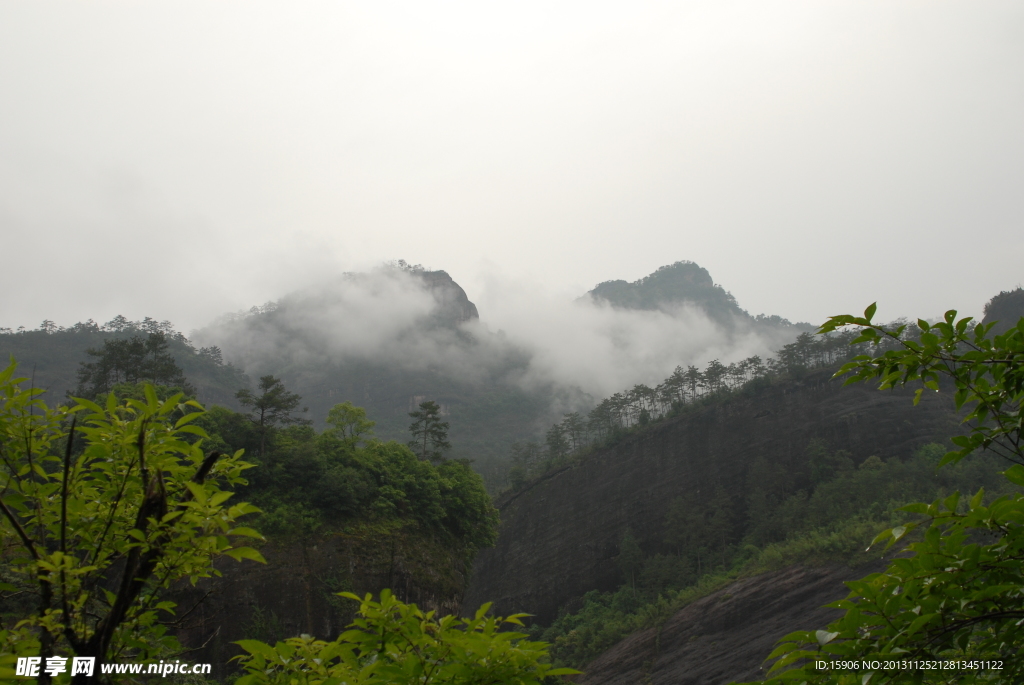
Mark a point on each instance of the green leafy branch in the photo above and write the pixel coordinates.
(394, 643)
(109, 512)
(958, 593)
(988, 374)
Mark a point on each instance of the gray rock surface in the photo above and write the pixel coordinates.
(725, 636)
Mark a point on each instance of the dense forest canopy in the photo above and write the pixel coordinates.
(634, 408)
(53, 356)
(310, 481)
(131, 361)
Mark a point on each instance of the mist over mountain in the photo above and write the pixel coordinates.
(414, 319)
(668, 287)
(683, 284)
(394, 336)
(389, 338)
(405, 316)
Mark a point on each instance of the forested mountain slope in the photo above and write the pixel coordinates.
(52, 356)
(560, 534)
(723, 636)
(1005, 309)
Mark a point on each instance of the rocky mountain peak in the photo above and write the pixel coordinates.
(669, 287)
(453, 305)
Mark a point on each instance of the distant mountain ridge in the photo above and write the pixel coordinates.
(683, 281)
(679, 284)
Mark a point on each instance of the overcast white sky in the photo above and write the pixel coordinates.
(182, 159)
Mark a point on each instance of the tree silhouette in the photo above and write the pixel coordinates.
(349, 423)
(429, 432)
(130, 360)
(273, 407)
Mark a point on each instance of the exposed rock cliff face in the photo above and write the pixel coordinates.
(725, 636)
(294, 592)
(453, 305)
(559, 536)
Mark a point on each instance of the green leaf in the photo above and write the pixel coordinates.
(1015, 474)
(257, 647)
(239, 553)
(919, 622)
(151, 397)
(977, 499)
(870, 311)
(824, 637)
(171, 515)
(89, 404)
(220, 497)
(189, 418)
(949, 457)
(194, 430)
(198, 492)
(884, 535)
